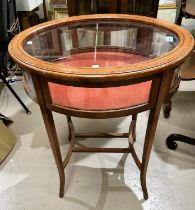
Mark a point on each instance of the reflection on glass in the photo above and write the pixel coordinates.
(95, 44)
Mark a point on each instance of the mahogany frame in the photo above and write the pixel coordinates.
(159, 70)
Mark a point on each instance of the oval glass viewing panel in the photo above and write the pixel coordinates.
(94, 44)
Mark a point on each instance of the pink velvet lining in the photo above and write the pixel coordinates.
(103, 59)
(100, 98)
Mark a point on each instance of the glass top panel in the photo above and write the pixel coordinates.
(100, 43)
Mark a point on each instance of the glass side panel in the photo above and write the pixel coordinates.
(100, 99)
(109, 98)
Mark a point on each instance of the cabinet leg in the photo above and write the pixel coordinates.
(167, 107)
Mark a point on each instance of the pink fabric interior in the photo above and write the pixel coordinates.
(100, 98)
(103, 59)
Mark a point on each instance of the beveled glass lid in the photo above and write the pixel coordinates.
(100, 43)
(96, 46)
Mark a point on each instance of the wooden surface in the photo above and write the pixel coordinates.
(28, 19)
(57, 9)
(7, 141)
(135, 7)
(190, 7)
(188, 68)
(159, 71)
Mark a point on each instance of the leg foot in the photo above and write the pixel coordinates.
(62, 185)
(167, 107)
(134, 118)
(69, 128)
(144, 187)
